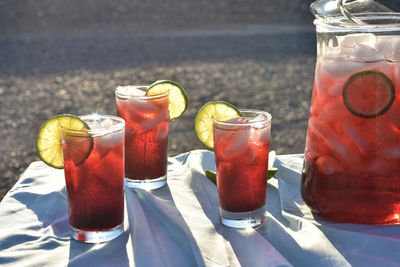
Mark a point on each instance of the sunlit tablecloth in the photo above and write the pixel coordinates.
(178, 225)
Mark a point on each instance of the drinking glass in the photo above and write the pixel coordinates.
(241, 147)
(94, 176)
(147, 119)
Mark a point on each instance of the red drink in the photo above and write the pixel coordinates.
(352, 157)
(241, 149)
(147, 119)
(94, 175)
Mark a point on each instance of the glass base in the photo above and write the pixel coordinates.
(242, 220)
(96, 236)
(148, 184)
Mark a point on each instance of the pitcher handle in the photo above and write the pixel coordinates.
(373, 6)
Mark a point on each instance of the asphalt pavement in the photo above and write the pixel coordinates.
(67, 57)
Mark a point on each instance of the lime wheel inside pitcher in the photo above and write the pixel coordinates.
(368, 94)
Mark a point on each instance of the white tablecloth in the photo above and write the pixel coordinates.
(178, 225)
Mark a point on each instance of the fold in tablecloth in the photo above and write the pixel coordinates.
(178, 225)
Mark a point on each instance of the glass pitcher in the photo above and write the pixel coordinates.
(352, 156)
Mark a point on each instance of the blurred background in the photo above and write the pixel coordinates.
(68, 56)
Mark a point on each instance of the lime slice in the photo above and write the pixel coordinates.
(48, 141)
(368, 94)
(178, 99)
(203, 124)
(211, 175)
(271, 172)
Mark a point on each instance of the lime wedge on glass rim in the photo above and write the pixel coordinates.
(49, 145)
(178, 98)
(203, 124)
(368, 94)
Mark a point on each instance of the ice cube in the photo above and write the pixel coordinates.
(381, 167)
(260, 117)
(162, 132)
(336, 145)
(389, 47)
(340, 67)
(364, 47)
(335, 89)
(394, 118)
(350, 40)
(392, 152)
(385, 48)
(261, 135)
(261, 121)
(331, 51)
(107, 142)
(396, 52)
(346, 53)
(152, 120)
(131, 90)
(330, 112)
(366, 52)
(107, 123)
(251, 156)
(328, 165)
(110, 173)
(358, 139)
(111, 139)
(237, 120)
(238, 141)
(143, 105)
(94, 125)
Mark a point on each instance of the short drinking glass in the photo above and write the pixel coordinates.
(147, 119)
(94, 175)
(241, 147)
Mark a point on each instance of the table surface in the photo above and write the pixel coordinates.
(178, 225)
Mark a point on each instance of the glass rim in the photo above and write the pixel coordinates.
(338, 23)
(119, 94)
(115, 127)
(267, 118)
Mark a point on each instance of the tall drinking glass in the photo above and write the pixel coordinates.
(94, 176)
(241, 147)
(147, 119)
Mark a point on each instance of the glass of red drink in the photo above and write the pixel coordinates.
(241, 147)
(94, 176)
(352, 156)
(146, 144)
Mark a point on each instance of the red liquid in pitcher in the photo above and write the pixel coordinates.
(352, 157)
